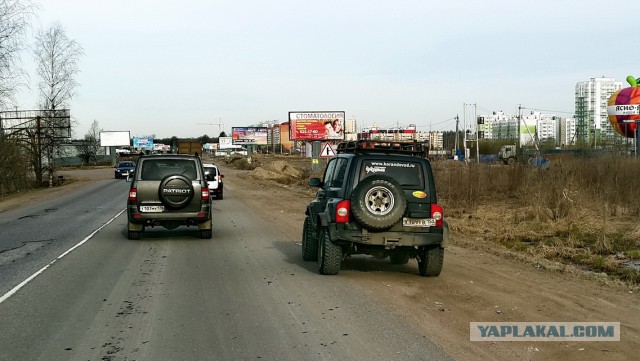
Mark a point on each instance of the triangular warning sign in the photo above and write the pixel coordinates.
(327, 151)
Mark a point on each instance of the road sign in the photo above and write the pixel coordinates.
(327, 151)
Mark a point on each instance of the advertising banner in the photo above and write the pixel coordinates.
(316, 125)
(249, 135)
(225, 143)
(143, 143)
(114, 138)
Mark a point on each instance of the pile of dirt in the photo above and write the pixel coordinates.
(279, 171)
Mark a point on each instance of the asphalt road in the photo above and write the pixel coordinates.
(243, 295)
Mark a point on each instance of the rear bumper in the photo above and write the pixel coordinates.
(389, 239)
(217, 190)
(154, 218)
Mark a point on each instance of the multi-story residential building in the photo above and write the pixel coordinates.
(436, 140)
(350, 129)
(591, 97)
(486, 125)
(547, 128)
(526, 127)
(567, 132)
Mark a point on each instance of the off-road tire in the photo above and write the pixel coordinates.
(430, 260)
(309, 241)
(206, 234)
(378, 202)
(133, 235)
(329, 254)
(219, 196)
(399, 258)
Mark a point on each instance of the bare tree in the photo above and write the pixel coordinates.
(15, 19)
(89, 148)
(57, 57)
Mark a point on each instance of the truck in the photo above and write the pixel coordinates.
(189, 147)
(508, 154)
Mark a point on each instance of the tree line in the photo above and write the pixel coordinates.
(27, 151)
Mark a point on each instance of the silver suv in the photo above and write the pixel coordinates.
(168, 191)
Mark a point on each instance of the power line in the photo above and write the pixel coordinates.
(548, 111)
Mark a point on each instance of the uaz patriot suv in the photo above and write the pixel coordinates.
(168, 191)
(376, 198)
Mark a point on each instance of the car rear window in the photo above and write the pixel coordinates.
(157, 169)
(211, 170)
(408, 174)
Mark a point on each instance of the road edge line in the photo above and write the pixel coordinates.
(30, 278)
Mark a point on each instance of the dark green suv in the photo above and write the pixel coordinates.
(168, 191)
(376, 198)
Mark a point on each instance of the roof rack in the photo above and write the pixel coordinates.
(381, 146)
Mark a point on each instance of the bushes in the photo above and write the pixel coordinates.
(14, 170)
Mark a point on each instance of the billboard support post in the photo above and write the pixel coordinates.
(315, 156)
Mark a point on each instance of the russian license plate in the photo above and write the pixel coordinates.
(151, 208)
(418, 222)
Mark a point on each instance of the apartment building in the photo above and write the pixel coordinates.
(591, 97)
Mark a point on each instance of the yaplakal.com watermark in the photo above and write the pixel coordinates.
(544, 331)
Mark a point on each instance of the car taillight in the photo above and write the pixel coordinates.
(219, 178)
(133, 195)
(342, 211)
(437, 214)
(205, 194)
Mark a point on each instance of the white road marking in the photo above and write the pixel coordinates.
(23, 283)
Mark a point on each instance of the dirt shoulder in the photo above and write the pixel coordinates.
(480, 282)
(72, 178)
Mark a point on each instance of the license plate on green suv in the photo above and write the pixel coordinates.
(418, 222)
(152, 209)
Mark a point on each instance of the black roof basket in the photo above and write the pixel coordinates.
(382, 146)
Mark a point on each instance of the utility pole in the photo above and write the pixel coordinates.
(457, 134)
(518, 145)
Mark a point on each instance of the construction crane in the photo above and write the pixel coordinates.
(219, 124)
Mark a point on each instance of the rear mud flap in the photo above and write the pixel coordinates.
(134, 227)
(205, 225)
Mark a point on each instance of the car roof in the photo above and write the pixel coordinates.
(167, 156)
(209, 165)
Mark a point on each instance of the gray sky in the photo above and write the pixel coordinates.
(162, 67)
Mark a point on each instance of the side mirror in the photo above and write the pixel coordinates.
(221, 175)
(315, 182)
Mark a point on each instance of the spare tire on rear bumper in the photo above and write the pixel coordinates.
(176, 191)
(378, 202)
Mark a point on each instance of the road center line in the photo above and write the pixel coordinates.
(23, 283)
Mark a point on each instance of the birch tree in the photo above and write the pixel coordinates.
(57, 57)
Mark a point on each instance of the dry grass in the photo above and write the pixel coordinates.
(581, 211)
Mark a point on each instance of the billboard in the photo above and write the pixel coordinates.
(249, 135)
(143, 143)
(225, 143)
(114, 138)
(316, 125)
